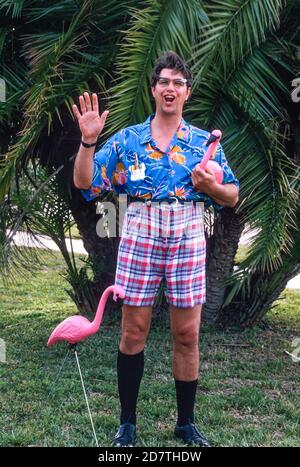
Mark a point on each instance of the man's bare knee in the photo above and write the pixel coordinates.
(186, 340)
(135, 328)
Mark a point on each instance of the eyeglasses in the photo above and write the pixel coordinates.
(178, 83)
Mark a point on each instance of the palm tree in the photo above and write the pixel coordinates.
(243, 57)
(245, 89)
(244, 63)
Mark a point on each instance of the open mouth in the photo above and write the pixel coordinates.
(169, 99)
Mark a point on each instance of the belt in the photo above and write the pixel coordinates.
(170, 200)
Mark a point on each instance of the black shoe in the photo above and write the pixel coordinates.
(191, 436)
(125, 436)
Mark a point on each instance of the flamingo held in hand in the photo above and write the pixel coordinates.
(77, 328)
(212, 144)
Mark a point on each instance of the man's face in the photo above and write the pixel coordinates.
(170, 92)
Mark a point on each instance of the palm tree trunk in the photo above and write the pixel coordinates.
(264, 290)
(221, 250)
(102, 257)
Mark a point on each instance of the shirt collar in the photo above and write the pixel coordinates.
(182, 132)
(146, 130)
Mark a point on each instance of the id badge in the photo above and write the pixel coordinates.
(137, 171)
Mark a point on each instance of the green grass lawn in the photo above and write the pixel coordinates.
(248, 393)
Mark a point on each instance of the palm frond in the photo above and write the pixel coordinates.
(51, 11)
(48, 91)
(28, 211)
(62, 64)
(235, 27)
(253, 89)
(158, 27)
(246, 102)
(12, 7)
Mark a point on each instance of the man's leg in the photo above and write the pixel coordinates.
(185, 326)
(135, 329)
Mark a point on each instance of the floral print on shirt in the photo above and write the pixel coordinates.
(130, 162)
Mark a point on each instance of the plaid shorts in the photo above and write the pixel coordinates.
(162, 241)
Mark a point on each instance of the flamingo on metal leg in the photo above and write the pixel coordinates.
(77, 328)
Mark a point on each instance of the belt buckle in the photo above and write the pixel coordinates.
(176, 200)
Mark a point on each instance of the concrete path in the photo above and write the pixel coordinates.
(22, 239)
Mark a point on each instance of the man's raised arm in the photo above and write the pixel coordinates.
(91, 125)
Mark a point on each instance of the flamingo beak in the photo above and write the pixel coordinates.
(215, 134)
(119, 292)
(212, 138)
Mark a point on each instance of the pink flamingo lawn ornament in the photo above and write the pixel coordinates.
(212, 144)
(77, 328)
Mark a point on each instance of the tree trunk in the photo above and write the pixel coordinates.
(102, 257)
(264, 289)
(221, 250)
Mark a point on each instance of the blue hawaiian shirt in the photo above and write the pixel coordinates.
(131, 163)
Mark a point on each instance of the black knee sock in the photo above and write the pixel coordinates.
(185, 394)
(130, 371)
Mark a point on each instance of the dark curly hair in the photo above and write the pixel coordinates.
(170, 60)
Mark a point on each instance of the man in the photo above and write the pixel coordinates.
(163, 236)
